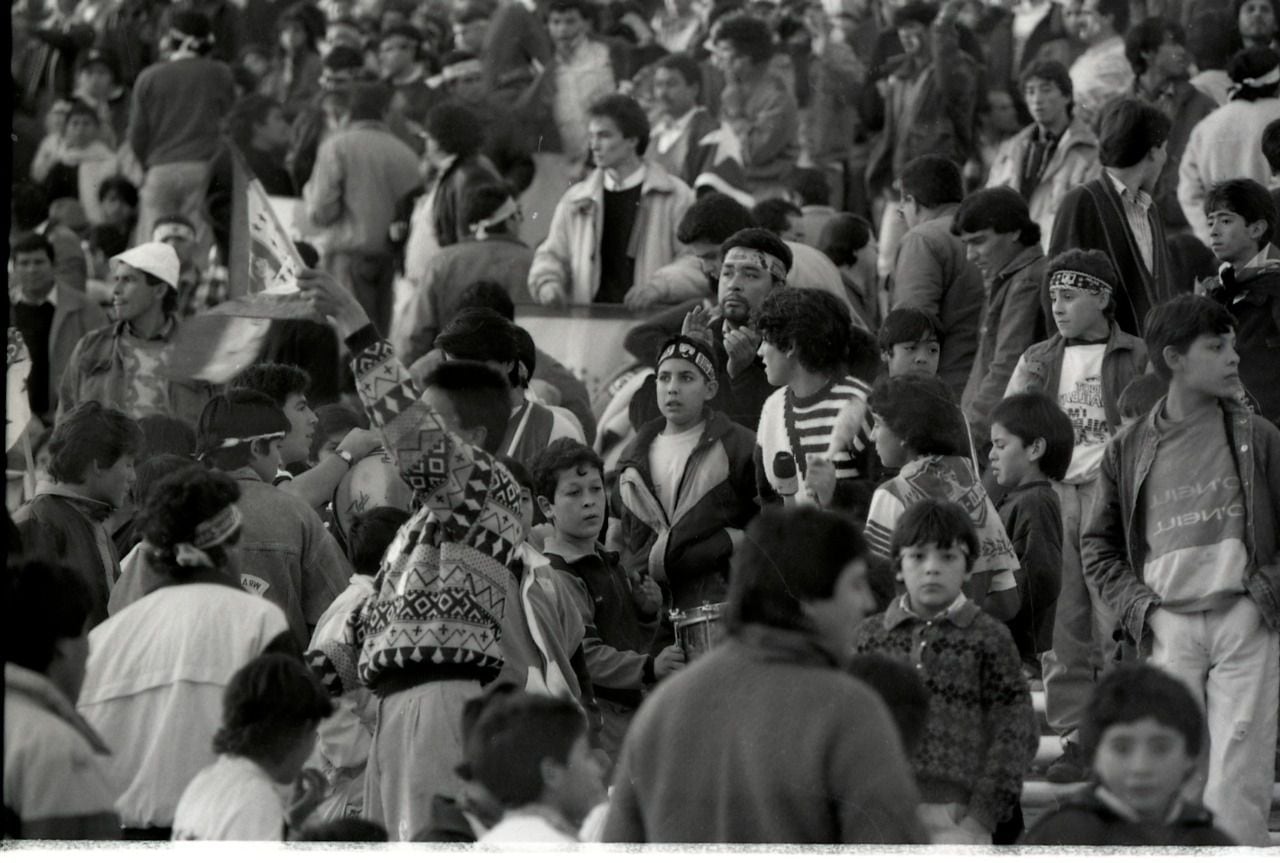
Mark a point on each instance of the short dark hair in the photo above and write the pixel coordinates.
(843, 236)
(1047, 70)
(813, 323)
(908, 324)
(627, 115)
(514, 736)
(1001, 209)
(775, 214)
(760, 240)
(486, 294)
(561, 455)
(1130, 128)
(932, 181)
(44, 602)
(1028, 416)
(915, 12)
(481, 201)
(267, 704)
(811, 185)
(237, 413)
(481, 335)
(404, 31)
(1211, 39)
(1117, 11)
(121, 187)
(166, 435)
(1091, 262)
(941, 522)
(526, 355)
(80, 108)
(480, 395)
(1135, 691)
(277, 381)
(153, 469)
(1251, 63)
(249, 111)
(789, 555)
(91, 434)
(585, 8)
(713, 218)
(369, 100)
(28, 243)
(1248, 199)
(1148, 35)
(349, 829)
(109, 239)
(901, 690)
(1178, 322)
(1140, 395)
(175, 506)
(370, 534)
(749, 36)
(913, 406)
(456, 128)
(1271, 145)
(334, 419)
(683, 65)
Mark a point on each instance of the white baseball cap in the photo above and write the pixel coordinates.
(154, 259)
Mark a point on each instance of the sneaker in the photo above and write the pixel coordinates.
(1069, 766)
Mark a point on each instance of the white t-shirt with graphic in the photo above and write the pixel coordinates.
(668, 456)
(1080, 397)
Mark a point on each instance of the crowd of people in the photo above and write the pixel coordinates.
(952, 377)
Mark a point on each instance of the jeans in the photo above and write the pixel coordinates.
(1082, 625)
(1230, 661)
(175, 188)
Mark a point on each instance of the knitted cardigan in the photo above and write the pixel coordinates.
(981, 733)
(440, 595)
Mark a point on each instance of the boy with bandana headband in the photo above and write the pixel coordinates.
(1085, 366)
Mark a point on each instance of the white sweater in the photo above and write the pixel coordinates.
(1226, 145)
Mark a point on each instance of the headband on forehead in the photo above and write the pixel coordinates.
(685, 348)
(164, 230)
(771, 263)
(462, 69)
(227, 443)
(209, 533)
(481, 228)
(1080, 281)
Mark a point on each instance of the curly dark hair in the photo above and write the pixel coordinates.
(713, 218)
(456, 128)
(91, 433)
(941, 522)
(267, 705)
(748, 36)
(278, 381)
(563, 454)
(176, 505)
(812, 322)
(921, 410)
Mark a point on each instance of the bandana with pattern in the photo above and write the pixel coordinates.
(1079, 281)
(685, 348)
(770, 263)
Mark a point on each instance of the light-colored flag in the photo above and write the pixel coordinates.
(17, 404)
(218, 343)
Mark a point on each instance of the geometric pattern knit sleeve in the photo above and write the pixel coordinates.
(1010, 722)
(441, 591)
(886, 508)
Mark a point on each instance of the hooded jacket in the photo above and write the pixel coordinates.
(690, 548)
(1253, 296)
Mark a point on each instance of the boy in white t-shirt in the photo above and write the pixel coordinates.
(1086, 366)
(686, 484)
(270, 713)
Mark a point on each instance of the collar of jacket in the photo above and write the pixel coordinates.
(657, 180)
(637, 454)
(95, 510)
(789, 646)
(961, 613)
(554, 545)
(244, 474)
(170, 324)
(1103, 802)
(1233, 411)
(41, 690)
(1020, 261)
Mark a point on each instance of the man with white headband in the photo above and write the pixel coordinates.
(175, 123)
(491, 251)
(119, 364)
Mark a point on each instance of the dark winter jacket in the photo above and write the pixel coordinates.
(1088, 820)
(1253, 296)
(690, 549)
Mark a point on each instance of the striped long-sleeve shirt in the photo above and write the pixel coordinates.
(835, 416)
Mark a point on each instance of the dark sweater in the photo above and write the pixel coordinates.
(178, 108)
(64, 528)
(617, 265)
(1087, 820)
(1032, 518)
(981, 733)
(36, 325)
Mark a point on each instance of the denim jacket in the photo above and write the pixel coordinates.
(1114, 547)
